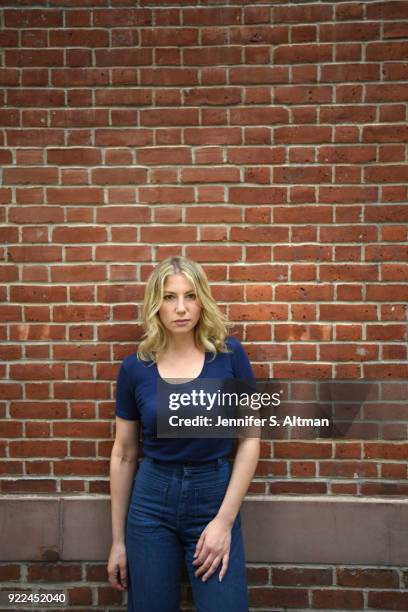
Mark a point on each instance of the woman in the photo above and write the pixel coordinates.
(185, 499)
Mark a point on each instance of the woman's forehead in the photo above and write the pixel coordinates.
(179, 282)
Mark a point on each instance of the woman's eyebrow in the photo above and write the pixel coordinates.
(173, 293)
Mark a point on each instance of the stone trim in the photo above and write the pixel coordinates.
(277, 529)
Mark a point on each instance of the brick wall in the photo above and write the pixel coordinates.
(273, 588)
(265, 140)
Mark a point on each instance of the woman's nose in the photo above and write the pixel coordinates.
(180, 305)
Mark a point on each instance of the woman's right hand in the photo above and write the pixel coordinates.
(117, 567)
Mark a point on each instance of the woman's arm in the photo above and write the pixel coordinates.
(214, 543)
(123, 464)
(245, 462)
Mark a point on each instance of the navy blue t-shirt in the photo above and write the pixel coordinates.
(136, 399)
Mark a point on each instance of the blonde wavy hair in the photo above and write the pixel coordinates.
(212, 328)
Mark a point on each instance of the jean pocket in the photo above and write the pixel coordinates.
(208, 500)
(148, 503)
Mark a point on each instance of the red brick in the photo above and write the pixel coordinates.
(301, 576)
(388, 600)
(119, 176)
(29, 57)
(213, 175)
(394, 470)
(384, 488)
(35, 486)
(171, 76)
(385, 450)
(305, 450)
(258, 312)
(259, 234)
(272, 597)
(257, 575)
(298, 488)
(117, 17)
(365, 578)
(347, 469)
(332, 599)
(214, 136)
(211, 253)
(162, 234)
(9, 572)
(38, 448)
(210, 16)
(81, 466)
(33, 18)
(79, 596)
(270, 468)
(108, 596)
(122, 253)
(96, 572)
(81, 430)
(349, 450)
(53, 573)
(303, 469)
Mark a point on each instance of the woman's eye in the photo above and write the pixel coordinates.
(190, 296)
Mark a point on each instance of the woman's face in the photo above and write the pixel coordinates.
(180, 308)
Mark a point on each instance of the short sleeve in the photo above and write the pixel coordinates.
(246, 384)
(126, 406)
(240, 363)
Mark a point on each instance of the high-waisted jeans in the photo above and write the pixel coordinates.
(170, 506)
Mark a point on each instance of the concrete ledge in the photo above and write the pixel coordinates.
(29, 528)
(323, 530)
(277, 529)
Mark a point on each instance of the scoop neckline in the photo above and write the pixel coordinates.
(188, 381)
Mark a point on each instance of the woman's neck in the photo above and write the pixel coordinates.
(181, 345)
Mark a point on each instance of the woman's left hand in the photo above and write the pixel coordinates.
(213, 547)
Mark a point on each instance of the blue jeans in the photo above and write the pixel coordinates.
(170, 506)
